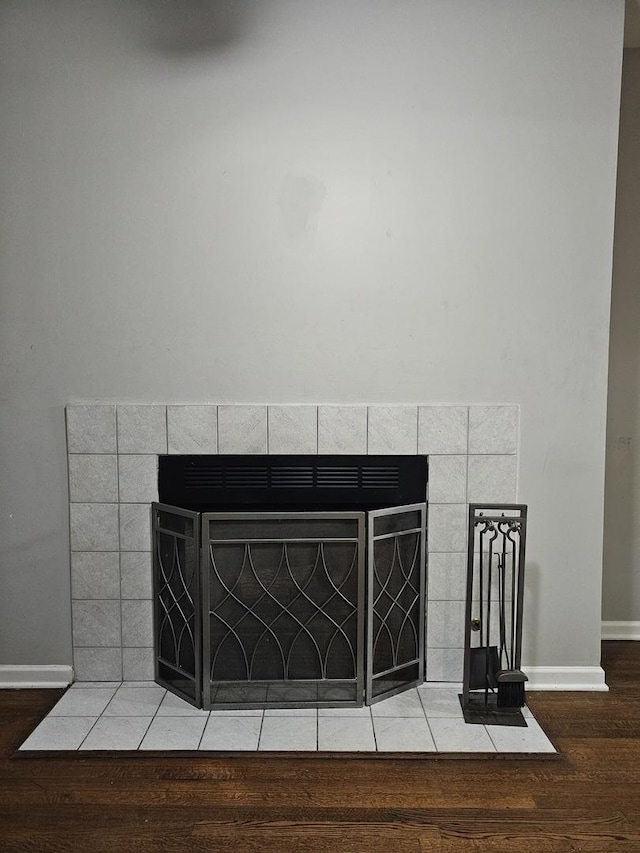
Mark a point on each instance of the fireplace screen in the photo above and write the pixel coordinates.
(289, 609)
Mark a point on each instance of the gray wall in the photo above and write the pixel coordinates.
(621, 582)
(323, 202)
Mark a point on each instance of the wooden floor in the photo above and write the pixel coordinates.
(588, 800)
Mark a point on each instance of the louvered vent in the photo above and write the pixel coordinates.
(246, 478)
(337, 477)
(381, 478)
(290, 477)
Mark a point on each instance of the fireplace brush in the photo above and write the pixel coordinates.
(493, 683)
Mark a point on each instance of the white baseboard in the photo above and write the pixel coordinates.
(565, 678)
(620, 631)
(23, 676)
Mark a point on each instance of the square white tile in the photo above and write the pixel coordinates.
(135, 702)
(93, 478)
(94, 526)
(518, 739)
(96, 623)
(293, 429)
(231, 733)
(405, 704)
(443, 429)
(135, 527)
(137, 623)
(95, 574)
(342, 429)
(90, 702)
(440, 701)
(242, 429)
(493, 479)
(286, 733)
(91, 429)
(444, 664)
(135, 574)
(447, 527)
(192, 429)
(59, 733)
(142, 429)
(445, 624)
(138, 478)
(117, 733)
(365, 711)
(174, 733)
(447, 576)
(98, 664)
(346, 734)
(392, 429)
(402, 734)
(448, 479)
(493, 429)
(137, 663)
(454, 735)
(291, 712)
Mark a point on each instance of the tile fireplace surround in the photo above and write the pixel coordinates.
(113, 459)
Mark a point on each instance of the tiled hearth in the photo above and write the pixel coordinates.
(113, 457)
(138, 716)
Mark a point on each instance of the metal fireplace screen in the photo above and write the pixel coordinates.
(272, 609)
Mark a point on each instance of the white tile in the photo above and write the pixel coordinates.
(135, 702)
(96, 623)
(492, 479)
(447, 527)
(192, 429)
(137, 664)
(242, 429)
(135, 527)
(142, 429)
(90, 702)
(59, 733)
(135, 574)
(117, 733)
(289, 733)
(365, 711)
(174, 733)
(138, 478)
(443, 429)
(231, 733)
(88, 685)
(402, 734)
(454, 735)
(97, 664)
(445, 624)
(95, 574)
(342, 429)
(93, 478)
(493, 429)
(239, 712)
(91, 429)
(520, 739)
(405, 704)
(448, 479)
(137, 623)
(447, 576)
(94, 527)
(444, 664)
(292, 429)
(147, 682)
(174, 706)
(440, 701)
(346, 734)
(392, 429)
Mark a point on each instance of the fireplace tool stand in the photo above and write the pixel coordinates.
(493, 683)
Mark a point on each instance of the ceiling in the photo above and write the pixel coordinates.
(632, 23)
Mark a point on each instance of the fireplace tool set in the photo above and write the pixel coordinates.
(493, 683)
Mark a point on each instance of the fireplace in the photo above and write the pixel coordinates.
(289, 581)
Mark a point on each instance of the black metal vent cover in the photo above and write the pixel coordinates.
(289, 483)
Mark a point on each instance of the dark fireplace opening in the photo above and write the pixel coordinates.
(289, 581)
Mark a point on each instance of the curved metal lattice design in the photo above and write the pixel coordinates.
(177, 617)
(283, 611)
(396, 594)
